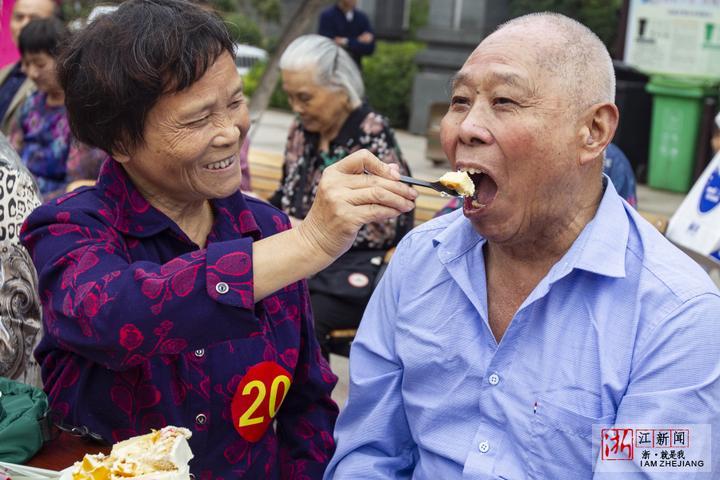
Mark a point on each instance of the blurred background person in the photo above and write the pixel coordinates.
(169, 296)
(348, 27)
(325, 90)
(41, 134)
(14, 85)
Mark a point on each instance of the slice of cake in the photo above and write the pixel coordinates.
(162, 454)
(460, 182)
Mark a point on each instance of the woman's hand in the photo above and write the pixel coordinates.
(347, 199)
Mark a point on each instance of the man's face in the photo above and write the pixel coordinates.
(347, 4)
(510, 119)
(26, 10)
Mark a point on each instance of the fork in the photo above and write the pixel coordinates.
(437, 186)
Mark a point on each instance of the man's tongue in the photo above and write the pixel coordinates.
(485, 189)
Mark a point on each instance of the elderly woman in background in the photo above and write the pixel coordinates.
(169, 297)
(325, 89)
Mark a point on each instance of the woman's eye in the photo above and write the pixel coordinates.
(198, 122)
(236, 103)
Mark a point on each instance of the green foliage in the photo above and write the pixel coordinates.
(250, 83)
(268, 10)
(243, 29)
(222, 5)
(388, 75)
(601, 16)
(419, 14)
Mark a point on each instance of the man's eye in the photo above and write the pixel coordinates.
(504, 101)
(459, 100)
(236, 103)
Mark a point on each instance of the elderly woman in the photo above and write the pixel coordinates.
(325, 89)
(169, 297)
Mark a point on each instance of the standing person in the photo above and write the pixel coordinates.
(325, 89)
(348, 27)
(504, 337)
(14, 84)
(169, 298)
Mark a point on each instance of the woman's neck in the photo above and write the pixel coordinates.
(55, 98)
(194, 218)
(328, 135)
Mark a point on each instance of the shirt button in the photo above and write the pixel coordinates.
(484, 446)
(201, 419)
(494, 379)
(222, 288)
(199, 352)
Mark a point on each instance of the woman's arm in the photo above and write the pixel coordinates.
(345, 201)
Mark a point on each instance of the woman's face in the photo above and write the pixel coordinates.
(320, 108)
(40, 68)
(193, 139)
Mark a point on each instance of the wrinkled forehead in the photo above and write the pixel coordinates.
(517, 56)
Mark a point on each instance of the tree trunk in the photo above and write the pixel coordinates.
(297, 25)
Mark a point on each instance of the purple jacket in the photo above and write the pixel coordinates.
(144, 329)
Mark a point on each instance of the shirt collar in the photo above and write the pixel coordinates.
(132, 214)
(600, 248)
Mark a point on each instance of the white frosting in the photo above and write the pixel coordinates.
(159, 455)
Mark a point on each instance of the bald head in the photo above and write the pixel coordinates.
(569, 50)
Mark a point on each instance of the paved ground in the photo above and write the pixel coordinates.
(271, 132)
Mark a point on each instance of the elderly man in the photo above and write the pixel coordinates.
(14, 84)
(505, 337)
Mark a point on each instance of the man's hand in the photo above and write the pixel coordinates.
(366, 37)
(342, 41)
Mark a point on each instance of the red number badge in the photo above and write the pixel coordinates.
(258, 399)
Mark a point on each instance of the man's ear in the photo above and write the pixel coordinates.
(597, 131)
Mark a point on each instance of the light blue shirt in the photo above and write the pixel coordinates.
(624, 330)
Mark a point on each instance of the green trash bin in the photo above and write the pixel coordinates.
(677, 110)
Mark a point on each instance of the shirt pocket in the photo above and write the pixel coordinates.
(561, 442)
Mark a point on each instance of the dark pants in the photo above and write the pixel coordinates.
(332, 313)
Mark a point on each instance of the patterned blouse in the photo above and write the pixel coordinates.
(304, 165)
(144, 329)
(43, 140)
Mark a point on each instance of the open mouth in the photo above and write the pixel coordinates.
(485, 189)
(222, 164)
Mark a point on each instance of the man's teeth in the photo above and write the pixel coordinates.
(472, 170)
(221, 164)
(477, 204)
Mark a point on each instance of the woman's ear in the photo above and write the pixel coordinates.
(597, 131)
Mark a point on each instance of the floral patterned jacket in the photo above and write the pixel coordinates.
(144, 329)
(304, 165)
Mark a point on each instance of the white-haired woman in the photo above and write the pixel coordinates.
(325, 89)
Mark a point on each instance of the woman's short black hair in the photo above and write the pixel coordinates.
(116, 68)
(43, 35)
